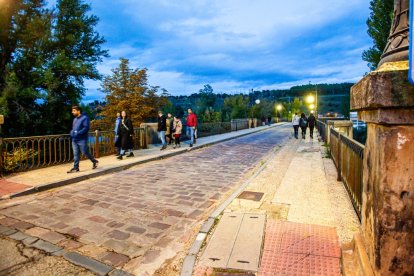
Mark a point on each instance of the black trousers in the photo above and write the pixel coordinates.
(311, 131)
(296, 129)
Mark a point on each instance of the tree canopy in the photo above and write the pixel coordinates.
(379, 25)
(45, 56)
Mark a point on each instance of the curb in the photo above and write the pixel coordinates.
(48, 248)
(65, 182)
(190, 259)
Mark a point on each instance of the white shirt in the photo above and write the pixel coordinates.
(295, 120)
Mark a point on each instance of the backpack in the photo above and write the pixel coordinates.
(303, 123)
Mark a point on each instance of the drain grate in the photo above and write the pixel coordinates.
(255, 196)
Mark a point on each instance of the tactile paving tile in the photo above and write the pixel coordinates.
(300, 249)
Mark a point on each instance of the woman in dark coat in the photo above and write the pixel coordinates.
(303, 123)
(311, 123)
(125, 134)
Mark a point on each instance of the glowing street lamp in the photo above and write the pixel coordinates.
(310, 99)
(312, 106)
(279, 108)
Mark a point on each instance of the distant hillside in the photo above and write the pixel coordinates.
(331, 97)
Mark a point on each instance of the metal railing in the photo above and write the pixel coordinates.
(321, 126)
(348, 156)
(28, 153)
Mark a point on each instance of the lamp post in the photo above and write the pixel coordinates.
(256, 102)
(279, 108)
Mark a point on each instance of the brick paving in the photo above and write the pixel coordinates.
(135, 215)
(300, 249)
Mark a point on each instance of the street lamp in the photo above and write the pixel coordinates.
(312, 99)
(256, 102)
(279, 108)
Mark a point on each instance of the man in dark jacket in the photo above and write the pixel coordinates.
(79, 136)
(311, 123)
(162, 127)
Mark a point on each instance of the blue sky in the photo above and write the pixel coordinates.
(234, 45)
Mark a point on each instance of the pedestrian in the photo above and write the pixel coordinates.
(162, 127)
(169, 126)
(117, 122)
(177, 129)
(311, 123)
(303, 122)
(269, 120)
(125, 136)
(191, 126)
(295, 123)
(79, 136)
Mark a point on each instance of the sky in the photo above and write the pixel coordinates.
(234, 45)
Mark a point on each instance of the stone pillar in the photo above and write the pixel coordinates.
(384, 99)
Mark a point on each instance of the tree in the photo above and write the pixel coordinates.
(127, 89)
(235, 107)
(24, 34)
(76, 51)
(379, 25)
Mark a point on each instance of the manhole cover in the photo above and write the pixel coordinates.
(255, 196)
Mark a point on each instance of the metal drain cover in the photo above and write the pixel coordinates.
(255, 196)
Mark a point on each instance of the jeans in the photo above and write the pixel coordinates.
(162, 137)
(190, 134)
(303, 131)
(80, 147)
(296, 128)
(311, 131)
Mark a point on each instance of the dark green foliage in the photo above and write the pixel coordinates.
(379, 25)
(45, 55)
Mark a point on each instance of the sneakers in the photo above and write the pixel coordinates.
(163, 148)
(73, 170)
(191, 145)
(131, 154)
(95, 164)
(119, 157)
(174, 147)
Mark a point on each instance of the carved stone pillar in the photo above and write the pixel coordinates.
(385, 100)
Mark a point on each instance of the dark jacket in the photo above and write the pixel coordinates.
(80, 128)
(125, 135)
(303, 122)
(162, 124)
(311, 121)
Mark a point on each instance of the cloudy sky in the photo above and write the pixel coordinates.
(234, 45)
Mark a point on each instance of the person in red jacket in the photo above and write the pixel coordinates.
(191, 126)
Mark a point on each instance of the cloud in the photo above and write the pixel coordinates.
(236, 45)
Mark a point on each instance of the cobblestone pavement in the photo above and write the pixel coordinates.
(139, 218)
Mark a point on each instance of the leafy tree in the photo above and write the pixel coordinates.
(379, 25)
(24, 34)
(236, 107)
(127, 89)
(206, 98)
(76, 51)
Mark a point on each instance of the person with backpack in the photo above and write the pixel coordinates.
(295, 123)
(303, 123)
(311, 123)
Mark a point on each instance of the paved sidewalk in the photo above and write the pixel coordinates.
(51, 177)
(309, 215)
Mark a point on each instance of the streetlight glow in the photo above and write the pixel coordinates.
(257, 101)
(279, 107)
(310, 99)
(312, 106)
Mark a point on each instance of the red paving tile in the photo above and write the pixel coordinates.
(7, 187)
(300, 249)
